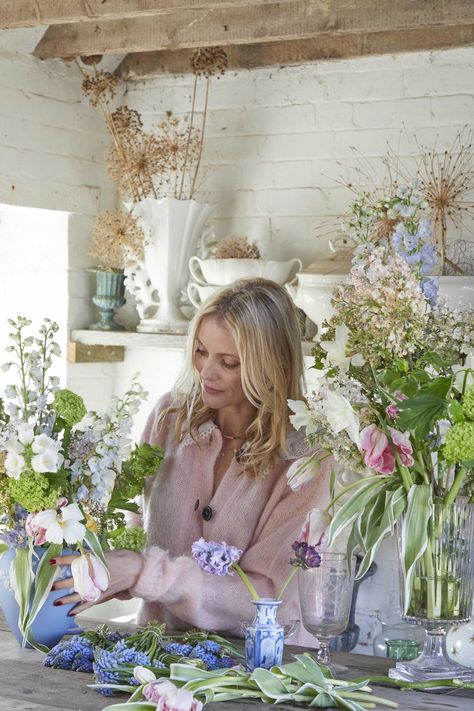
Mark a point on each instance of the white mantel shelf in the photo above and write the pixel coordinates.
(132, 339)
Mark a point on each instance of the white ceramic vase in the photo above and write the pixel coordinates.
(172, 228)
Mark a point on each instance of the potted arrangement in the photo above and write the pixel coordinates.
(66, 478)
(395, 404)
(157, 176)
(117, 243)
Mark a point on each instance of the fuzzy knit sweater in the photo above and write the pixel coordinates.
(261, 517)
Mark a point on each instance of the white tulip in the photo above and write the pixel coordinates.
(303, 416)
(45, 462)
(341, 416)
(91, 577)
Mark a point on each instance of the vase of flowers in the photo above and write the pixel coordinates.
(395, 407)
(157, 176)
(264, 637)
(66, 478)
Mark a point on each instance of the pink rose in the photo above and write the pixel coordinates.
(401, 440)
(378, 452)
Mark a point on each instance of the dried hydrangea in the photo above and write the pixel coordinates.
(100, 87)
(117, 240)
(208, 61)
(237, 248)
(384, 308)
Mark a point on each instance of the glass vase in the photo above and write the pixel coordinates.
(264, 637)
(440, 592)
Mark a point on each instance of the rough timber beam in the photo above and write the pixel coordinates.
(287, 20)
(268, 54)
(28, 13)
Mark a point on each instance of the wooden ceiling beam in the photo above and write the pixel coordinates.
(29, 13)
(286, 20)
(146, 64)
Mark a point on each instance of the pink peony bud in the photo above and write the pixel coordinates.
(378, 452)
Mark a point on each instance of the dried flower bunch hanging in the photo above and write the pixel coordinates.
(237, 248)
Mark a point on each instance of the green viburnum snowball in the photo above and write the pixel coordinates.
(69, 406)
(468, 403)
(459, 442)
(32, 492)
(132, 539)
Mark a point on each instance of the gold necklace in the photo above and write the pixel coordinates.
(227, 436)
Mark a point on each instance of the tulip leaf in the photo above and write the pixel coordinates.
(43, 580)
(94, 544)
(133, 706)
(352, 508)
(23, 573)
(415, 532)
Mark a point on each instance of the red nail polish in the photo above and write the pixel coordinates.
(52, 561)
(71, 614)
(56, 603)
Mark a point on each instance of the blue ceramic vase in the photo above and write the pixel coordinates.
(51, 623)
(264, 637)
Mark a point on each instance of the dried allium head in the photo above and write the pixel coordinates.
(173, 140)
(237, 248)
(91, 60)
(208, 61)
(117, 240)
(99, 87)
(126, 120)
(134, 162)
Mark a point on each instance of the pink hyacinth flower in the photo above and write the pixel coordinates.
(377, 450)
(91, 577)
(168, 697)
(401, 440)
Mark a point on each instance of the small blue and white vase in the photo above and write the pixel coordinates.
(264, 637)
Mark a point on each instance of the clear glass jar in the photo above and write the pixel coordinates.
(393, 627)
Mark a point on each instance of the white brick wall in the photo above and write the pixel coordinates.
(278, 140)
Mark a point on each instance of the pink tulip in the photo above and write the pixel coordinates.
(392, 411)
(91, 577)
(315, 527)
(378, 452)
(168, 697)
(34, 530)
(401, 440)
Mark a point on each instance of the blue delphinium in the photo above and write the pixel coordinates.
(15, 537)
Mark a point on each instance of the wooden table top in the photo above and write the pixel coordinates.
(25, 685)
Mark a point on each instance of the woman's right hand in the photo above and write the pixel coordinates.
(124, 568)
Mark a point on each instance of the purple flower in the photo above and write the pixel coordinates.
(306, 556)
(215, 558)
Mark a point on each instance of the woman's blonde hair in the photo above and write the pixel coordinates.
(263, 321)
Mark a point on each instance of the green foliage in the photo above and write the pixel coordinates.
(419, 414)
(468, 403)
(33, 491)
(459, 442)
(132, 539)
(143, 462)
(69, 406)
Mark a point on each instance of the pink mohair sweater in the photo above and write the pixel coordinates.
(261, 517)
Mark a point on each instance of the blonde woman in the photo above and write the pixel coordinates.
(229, 447)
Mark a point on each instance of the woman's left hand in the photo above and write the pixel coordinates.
(124, 568)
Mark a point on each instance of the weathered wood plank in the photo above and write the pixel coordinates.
(81, 353)
(28, 13)
(236, 25)
(343, 46)
(28, 686)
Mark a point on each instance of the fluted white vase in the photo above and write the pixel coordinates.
(172, 228)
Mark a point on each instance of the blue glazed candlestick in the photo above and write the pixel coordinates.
(264, 637)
